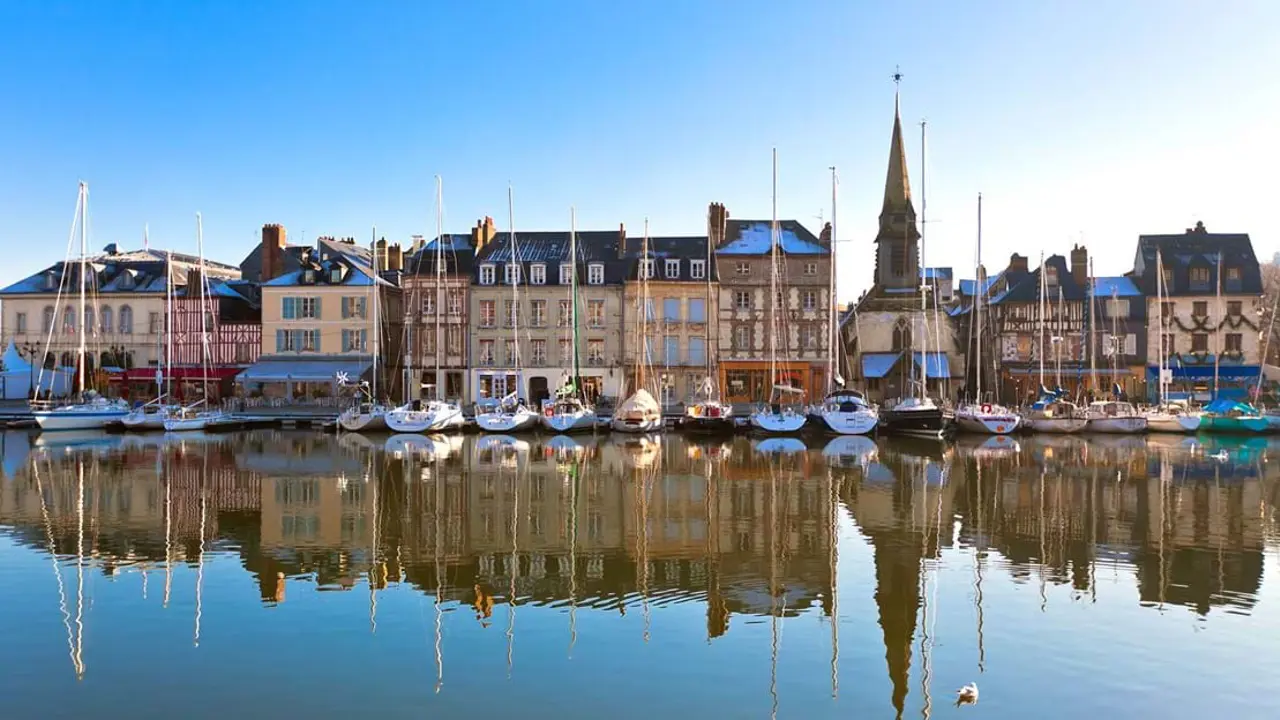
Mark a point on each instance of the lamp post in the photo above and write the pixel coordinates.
(30, 350)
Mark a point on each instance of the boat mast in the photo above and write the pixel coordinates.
(84, 271)
(204, 329)
(1217, 332)
(977, 306)
(440, 277)
(573, 296)
(377, 327)
(924, 285)
(833, 332)
(515, 288)
(773, 283)
(1043, 288)
(644, 308)
(1163, 387)
(1093, 334)
(168, 345)
(1061, 336)
(706, 342)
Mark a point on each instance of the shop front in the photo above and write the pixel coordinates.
(751, 382)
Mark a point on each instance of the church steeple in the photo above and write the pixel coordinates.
(898, 252)
(897, 182)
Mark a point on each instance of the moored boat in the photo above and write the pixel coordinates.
(847, 412)
(987, 419)
(1115, 416)
(918, 417)
(1054, 416)
(1230, 417)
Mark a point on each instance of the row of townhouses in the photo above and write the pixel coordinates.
(484, 314)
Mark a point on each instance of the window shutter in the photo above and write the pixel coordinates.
(280, 340)
(286, 308)
(364, 340)
(318, 314)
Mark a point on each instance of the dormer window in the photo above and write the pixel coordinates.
(1168, 279)
(566, 273)
(672, 269)
(512, 276)
(487, 274)
(335, 275)
(50, 281)
(698, 269)
(309, 276)
(1199, 278)
(646, 268)
(1051, 276)
(538, 274)
(126, 280)
(595, 274)
(742, 269)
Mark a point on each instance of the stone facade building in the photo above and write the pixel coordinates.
(437, 288)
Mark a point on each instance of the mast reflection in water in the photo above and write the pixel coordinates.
(640, 575)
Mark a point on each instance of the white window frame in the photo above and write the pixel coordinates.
(492, 319)
(511, 273)
(646, 268)
(809, 298)
(538, 274)
(595, 274)
(811, 268)
(566, 273)
(487, 273)
(742, 269)
(738, 295)
(671, 268)
(698, 269)
(593, 322)
(739, 333)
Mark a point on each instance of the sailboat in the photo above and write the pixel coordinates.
(189, 417)
(980, 416)
(640, 413)
(151, 415)
(707, 412)
(509, 414)
(368, 414)
(844, 411)
(1223, 415)
(1052, 413)
(569, 411)
(90, 411)
(1167, 416)
(775, 418)
(1108, 416)
(435, 415)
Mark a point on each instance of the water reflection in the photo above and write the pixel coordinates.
(743, 531)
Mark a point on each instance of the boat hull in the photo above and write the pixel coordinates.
(778, 423)
(1163, 423)
(54, 420)
(636, 425)
(707, 425)
(849, 423)
(1190, 423)
(576, 422)
(185, 424)
(1234, 425)
(143, 422)
(363, 422)
(929, 422)
(501, 422)
(981, 424)
(1057, 425)
(1117, 425)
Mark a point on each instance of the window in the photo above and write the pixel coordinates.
(697, 351)
(898, 260)
(297, 340)
(649, 350)
(486, 353)
(486, 274)
(672, 269)
(511, 274)
(697, 310)
(308, 276)
(671, 309)
(310, 340)
(46, 322)
(50, 281)
(901, 336)
(595, 274)
(538, 274)
(1232, 275)
(1117, 308)
(297, 308)
(335, 275)
(742, 299)
(21, 322)
(1200, 308)
(453, 336)
(649, 313)
(742, 337)
(126, 320)
(566, 314)
(538, 352)
(566, 273)
(512, 314)
(698, 269)
(429, 303)
(353, 307)
(512, 351)
(1234, 308)
(595, 313)
(104, 319)
(1200, 342)
(429, 343)
(1235, 342)
(811, 268)
(538, 313)
(90, 327)
(1166, 309)
(1168, 279)
(1199, 277)
(809, 299)
(671, 350)
(646, 268)
(154, 324)
(1169, 347)
(566, 353)
(455, 302)
(354, 340)
(809, 337)
(69, 320)
(742, 269)
(595, 352)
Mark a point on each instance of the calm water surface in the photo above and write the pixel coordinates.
(291, 574)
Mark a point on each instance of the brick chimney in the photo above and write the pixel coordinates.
(1198, 229)
(482, 234)
(824, 238)
(273, 244)
(1017, 263)
(1080, 265)
(394, 257)
(719, 221)
(195, 288)
(622, 240)
(380, 249)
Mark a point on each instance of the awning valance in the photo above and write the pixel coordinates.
(877, 365)
(938, 366)
(304, 370)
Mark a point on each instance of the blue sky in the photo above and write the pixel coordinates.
(1076, 120)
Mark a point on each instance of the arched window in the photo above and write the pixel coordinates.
(69, 320)
(126, 320)
(67, 360)
(104, 315)
(902, 335)
(50, 360)
(89, 327)
(48, 318)
(109, 360)
(128, 360)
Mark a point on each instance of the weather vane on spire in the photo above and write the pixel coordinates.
(897, 75)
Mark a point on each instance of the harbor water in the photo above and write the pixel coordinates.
(271, 574)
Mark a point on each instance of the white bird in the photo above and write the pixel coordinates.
(967, 695)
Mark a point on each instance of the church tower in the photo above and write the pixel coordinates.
(898, 241)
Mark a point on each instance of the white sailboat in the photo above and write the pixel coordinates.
(151, 415)
(1108, 416)
(980, 416)
(90, 411)
(569, 411)
(777, 417)
(198, 415)
(1167, 416)
(1051, 413)
(844, 411)
(368, 414)
(509, 414)
(706, 412)
(437, 415)
(640, 413)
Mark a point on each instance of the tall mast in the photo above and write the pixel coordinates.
(84, 271)
(924, 286)
(1061, 336)
(1093, 334)
(773, 282)
(515, 285)
(440, 276)
(1163, 388)
(833, 332)
(168, 318)
(377, 327)
(573, 293)
(1043, 288)
(706, 342)
(1217, 333)
(204, 299)
(644, 308)
(977, 305)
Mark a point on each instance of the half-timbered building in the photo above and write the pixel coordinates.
(232, 324)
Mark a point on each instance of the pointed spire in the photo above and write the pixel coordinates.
(897, 183)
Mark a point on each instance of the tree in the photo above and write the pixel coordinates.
(1270, 294)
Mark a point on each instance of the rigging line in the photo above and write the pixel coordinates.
(78, 660)
(57, 571)
(834, 500)
(438, 477)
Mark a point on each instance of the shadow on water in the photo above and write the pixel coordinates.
(753, 533)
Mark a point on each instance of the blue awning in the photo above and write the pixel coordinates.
(304, 370)
(877, 365)
(938, 366)
(1205, 372)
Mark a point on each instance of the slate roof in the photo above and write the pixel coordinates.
(455, 249)
(686, 248)
(331, 253)
(251, 265)
(1025, 287)
(752, 237)
(969, 288)
(1105, 287)
(1197, 248)
(132, 272)
(552, 248)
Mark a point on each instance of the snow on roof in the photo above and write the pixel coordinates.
(753, 237)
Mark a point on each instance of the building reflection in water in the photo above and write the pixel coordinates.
(633, 524)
